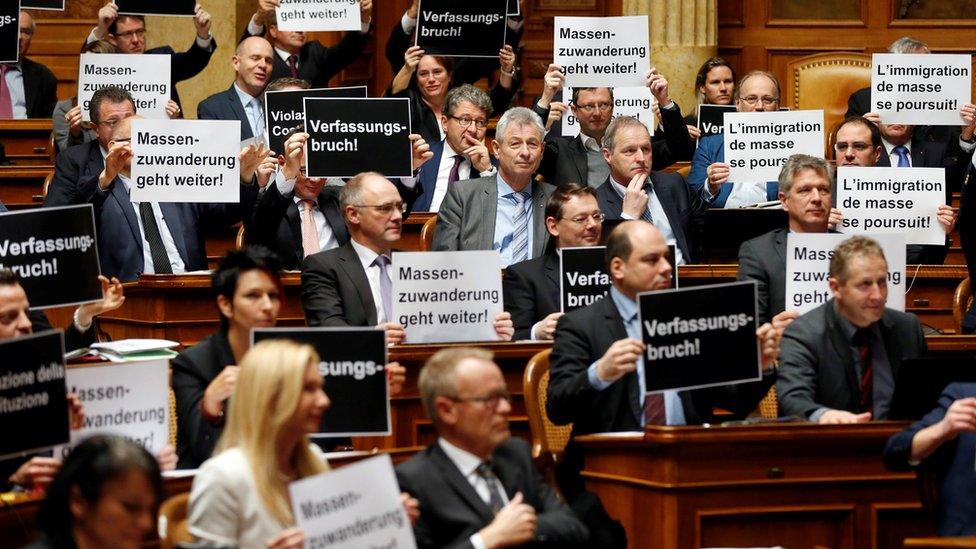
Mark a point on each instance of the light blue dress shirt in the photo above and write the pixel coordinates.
(18, 97)
(505, 220)
(253, 109)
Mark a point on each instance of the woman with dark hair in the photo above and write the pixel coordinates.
(714, 85)
(106, 495)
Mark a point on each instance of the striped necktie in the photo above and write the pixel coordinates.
(520, 235)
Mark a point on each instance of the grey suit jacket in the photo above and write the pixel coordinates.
(763, 259)
(817, 365)
(335, 290)
(466, 220)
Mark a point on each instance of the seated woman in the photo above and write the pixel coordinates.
(714, 85)
(240, 496)
(106, 495)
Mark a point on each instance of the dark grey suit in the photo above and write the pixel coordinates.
(817, 367)
(335, 290)
(466, 220)
(226, 105)
(763, 259)
(71, 166)
(530, 291)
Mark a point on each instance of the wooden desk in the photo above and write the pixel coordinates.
(795, 485)
(27, 142)
(21, 186)
(940, 543)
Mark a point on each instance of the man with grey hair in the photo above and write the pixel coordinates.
(505, 211)
(32, 89)
(633, 191)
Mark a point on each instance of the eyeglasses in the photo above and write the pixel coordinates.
(480, 123)
(110, 124)
(491, 401)
(603, 107)
(127, 35)
(858, 146)
(386, 209)
(752, 100)
(596, 218)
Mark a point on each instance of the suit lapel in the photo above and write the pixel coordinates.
(892, 343)
(428, 177)
(615, 205)
(615, 325)
(510, 478)
(674, 219)
(579, 160)
(781, 248)
(460, 485)
(121, 196)
(489, 207)
(350, 264)
(842, 350)
(540, 236)
(235, 105)
(295, 226)
(551, 266)
(171, 216)
(329, 206)
(30, 85)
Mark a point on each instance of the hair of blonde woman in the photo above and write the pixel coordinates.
(268, 391)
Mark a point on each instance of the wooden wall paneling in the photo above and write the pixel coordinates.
(821, 525)
(891, 523)
(859, 21)
(57, 44)
(730, 13)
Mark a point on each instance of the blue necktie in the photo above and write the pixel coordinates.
(902, 152)
(520, 235)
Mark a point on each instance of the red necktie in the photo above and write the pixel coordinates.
(862, 339)
(455, 170)
(654, 413)
(293, 65)
(6, 101)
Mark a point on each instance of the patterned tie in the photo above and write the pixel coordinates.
(386, 285)
(654, 413)
(862, 340)
(903, 160)
(6, 101)
(157, 250)
(310, 235)
(455, 170)
(646, 216)
(520, 235)
(487, 472)
(293, 65)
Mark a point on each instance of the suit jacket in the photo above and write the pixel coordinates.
(120, 242)
(73, 339)
(763, 259)
(711, 149)
(685, 208)
(335, 290)
(816, 365)
(317, 63)
(453, 511)
(276, 223)
(423, 120)
(226, 105)
(427, 178)
(967, 237)
(466, 220)
(530, 292)
(193, 370)
(185, 65)
(71, 166)
(40, 88)
(952, 463)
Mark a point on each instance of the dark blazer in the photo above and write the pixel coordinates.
(335, 290)
(952, 463)
(530, 292)
(317, 63)
(711, 149)
(967, 237)
(193, 370)
(763, 259)
(73, 339)
(816, 365)
(453, 511)
(185, 65)
(276, 223)
(226, 105)
(120, 243)
(40, 88)
(71, 166)
(685, 208)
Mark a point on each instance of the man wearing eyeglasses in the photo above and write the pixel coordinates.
(531, 288)
(28, 89)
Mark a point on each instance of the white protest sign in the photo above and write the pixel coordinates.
(892, 201)
(602, 51)
(130, 399)
(637, 102)
(319, 15)
(447, 296)
(355, 506)
(757, 144)
(185, 161)
(146, 77)
(917, 88)
(808, 264)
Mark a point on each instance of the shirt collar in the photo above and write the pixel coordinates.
(245, 97)
(889, 147)
(587, 140)
(14, 67)
(849, 328)
(465, 461)
(505, 190)
(449, 151)
(625, 306)
(366, 255)
(285, 55)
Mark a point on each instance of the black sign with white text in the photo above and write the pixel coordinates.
(33, 401)
(285, 110)
(514, 8)
(462, 29)
(54, 252)
(699, 337)
(9, 31)
(583, 277)
(711, 118)
(353, 363)
(349, 136)
(157, 7)
(42, 4)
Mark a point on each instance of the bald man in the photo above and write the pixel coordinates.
(253, 62)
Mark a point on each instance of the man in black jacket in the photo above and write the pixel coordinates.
(33, 87)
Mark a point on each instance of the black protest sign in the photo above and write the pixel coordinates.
(33, 401)
(42, 4)
(354, 366)
(583, 277)
(711, 118)
(699, 337)
(156, 7)
(514, 8)
(284, 110)
(462, 29)
(54, 252)
(349, 136)
(9, 32)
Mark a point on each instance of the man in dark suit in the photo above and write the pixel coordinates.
(297, 57)
(505, 212)
(476, 485)
(840, 361)
(530, 288)
(33, 87)
(343, 286)
(633, 191)
(945, 440)
(243, 101)
(128, 34)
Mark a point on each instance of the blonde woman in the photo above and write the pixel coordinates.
(240, 496)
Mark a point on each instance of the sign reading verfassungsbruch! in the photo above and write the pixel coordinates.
(602, 51)
(146, 77)
(711, 119)
(462, 29)
(285, 111)
(583, 277)
(319, 15)
(914, 88)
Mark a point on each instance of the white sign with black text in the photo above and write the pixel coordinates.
(146, 77)
(757, 144)
(916, 88)
(602, 51)
(319, 15)
(637, 102)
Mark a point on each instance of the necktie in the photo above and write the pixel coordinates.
(6, 101)
(520, 235)
(486, 471)
(654, 413)
(903, 160)
(293, 65)
(862, 340)
(386, 285)
(455, 169)
(310, 235)
(157, 251)
(646, 216)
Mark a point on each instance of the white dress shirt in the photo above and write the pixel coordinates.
(172, 253)
(367, 257)
(893, 156)
(444, 171)
(327, 239)
(658, 215)
(467, 463)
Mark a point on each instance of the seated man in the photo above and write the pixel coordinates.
(531, 288)
(758, 91)
(350, 285)
(504, 212)
(32, 87)
(633, 191)
(839, 360)
(476, 485)
(945, 439)
(243, 101)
